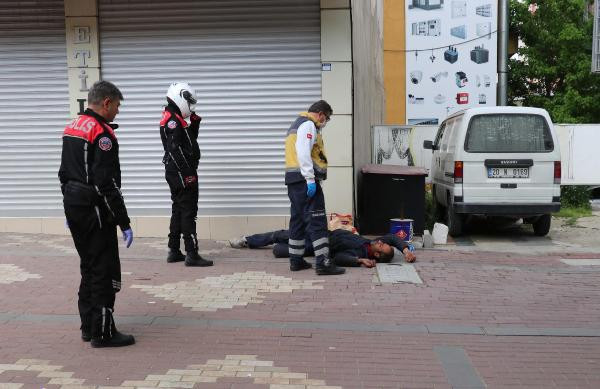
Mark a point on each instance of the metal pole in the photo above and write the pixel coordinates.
(502, 91)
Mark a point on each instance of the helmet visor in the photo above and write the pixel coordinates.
(188, 97)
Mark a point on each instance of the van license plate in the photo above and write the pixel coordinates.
(508, 172)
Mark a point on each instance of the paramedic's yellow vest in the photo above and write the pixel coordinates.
(292, 167)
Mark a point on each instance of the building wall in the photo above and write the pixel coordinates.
(336, 52)
(394, 44)
(336, 55)
(369, 96)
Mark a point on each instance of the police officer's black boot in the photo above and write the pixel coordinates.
(86, 334)
(104, 332)
(327, 267)
(175, 255)
(86, 327)
(194, 259)
(297, 264)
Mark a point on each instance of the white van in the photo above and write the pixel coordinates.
(496, 161)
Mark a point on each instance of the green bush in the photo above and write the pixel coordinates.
(574, 196)
(429, 211)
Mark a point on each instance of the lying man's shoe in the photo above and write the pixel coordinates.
(116, 340)
(194, 259)
(328, 268)
(175, 256)
(238, 243)
(299, 265)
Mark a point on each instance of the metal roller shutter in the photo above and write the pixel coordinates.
(34, 106)
(254, 65)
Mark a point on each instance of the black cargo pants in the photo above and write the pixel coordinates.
(307, 217)
(95, 236)
(184, 210)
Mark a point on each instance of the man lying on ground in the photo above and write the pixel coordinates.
(346, 248)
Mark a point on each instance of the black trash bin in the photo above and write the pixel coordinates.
(387, 192)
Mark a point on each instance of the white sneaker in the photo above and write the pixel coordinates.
(238, 243)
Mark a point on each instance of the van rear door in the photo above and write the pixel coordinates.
(509, 158)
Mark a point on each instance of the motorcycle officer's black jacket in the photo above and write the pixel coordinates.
(180, 142)
(90, 161)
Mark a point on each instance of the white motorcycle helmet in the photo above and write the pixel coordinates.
(183, 95)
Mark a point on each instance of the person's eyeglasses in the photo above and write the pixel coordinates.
(327, 117)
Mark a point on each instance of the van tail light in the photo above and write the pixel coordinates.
(458, 172)
(557, 172)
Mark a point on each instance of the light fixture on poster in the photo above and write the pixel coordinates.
(416, 76)
(439, 99)
(438, 76)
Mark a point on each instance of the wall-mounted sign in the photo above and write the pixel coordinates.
(451, 58)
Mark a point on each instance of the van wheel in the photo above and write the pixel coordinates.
(454, 221)
(541, 226)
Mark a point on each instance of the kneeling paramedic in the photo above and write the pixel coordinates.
(90, 177)
(306, 167)
(182, 154)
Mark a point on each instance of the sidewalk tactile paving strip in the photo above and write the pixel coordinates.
(233, 366)
(226, 291)
(10, 273)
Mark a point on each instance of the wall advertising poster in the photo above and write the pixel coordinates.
(451, 58)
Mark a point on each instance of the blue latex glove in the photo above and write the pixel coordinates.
(128, 237)
(311, 189)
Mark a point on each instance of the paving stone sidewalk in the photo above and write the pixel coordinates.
(480, 319)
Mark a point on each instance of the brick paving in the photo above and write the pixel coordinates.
(521, 320)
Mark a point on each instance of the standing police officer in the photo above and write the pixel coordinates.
(305, 168)
(90, 177)
(181, 158)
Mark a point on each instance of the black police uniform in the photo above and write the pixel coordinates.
(90, 177)
(181, 158)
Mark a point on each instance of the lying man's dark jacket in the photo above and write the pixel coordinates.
(346, 248)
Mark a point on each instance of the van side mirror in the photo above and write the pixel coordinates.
(428, 145)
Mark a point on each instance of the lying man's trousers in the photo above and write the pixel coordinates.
(280, 241)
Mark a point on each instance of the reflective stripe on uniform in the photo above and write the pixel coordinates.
(320, 241)
(294, 251)
(322, 251)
